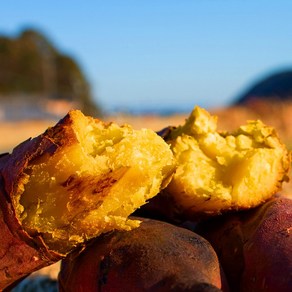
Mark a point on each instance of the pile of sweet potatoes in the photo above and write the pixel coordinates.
(253, 252)
(245, 246)
(203, 233)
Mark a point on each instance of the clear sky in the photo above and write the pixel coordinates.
(163, 53)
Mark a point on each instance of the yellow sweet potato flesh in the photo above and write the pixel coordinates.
(220, 171)
(91, 186)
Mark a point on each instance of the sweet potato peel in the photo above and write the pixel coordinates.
(20, 253)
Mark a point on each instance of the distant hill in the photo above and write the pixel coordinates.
(276, 87)
(32, 68)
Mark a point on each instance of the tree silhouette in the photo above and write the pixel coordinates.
(31, 64)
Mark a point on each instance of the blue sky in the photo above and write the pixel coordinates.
(141, 54)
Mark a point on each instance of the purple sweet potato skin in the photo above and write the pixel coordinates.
(153, 257)
(255, 247)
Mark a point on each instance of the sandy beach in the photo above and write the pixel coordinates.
(13, 133)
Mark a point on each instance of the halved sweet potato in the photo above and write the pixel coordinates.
(156, 256)
(79, 179)
(219, 171)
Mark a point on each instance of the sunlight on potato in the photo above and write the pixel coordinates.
(219, 171)
(99, 174)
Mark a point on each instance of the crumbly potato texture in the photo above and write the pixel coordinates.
(97, 176)
(220, 171)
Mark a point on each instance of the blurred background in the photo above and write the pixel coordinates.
(147, 63)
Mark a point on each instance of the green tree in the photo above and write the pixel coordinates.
(32, 65)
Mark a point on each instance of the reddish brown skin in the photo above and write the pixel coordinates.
(22, 253)
(268, 255)
(154, 257)
(255, 247)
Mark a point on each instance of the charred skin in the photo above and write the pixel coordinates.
(79, 179)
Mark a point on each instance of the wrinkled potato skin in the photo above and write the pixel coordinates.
(23, 253)
(255, 247)
(153, 257)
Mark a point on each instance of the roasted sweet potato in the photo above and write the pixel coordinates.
(220, 171)
(156, 256)
(79, 179)
(255, 247)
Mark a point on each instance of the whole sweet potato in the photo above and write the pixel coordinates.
(156, 256)
(255, 247)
